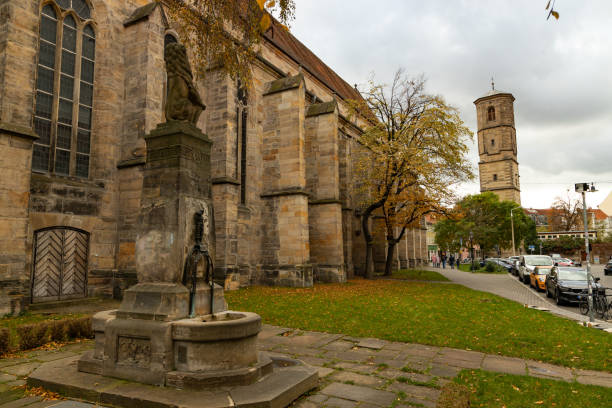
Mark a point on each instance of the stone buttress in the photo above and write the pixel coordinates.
(323, 184)
(286, 247)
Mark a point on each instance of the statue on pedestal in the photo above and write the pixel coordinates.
(183, 100)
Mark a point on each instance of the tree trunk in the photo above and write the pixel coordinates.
(369, 264)
(391, 243)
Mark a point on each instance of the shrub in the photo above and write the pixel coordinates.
(80, 328)
(32, 335)
(490, 267)
(87, 327)
(57, 331)
(4, 341)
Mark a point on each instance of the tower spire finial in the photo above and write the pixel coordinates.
(492, 84)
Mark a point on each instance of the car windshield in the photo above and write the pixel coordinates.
(542, 271)
(574, 275)
(538, 261)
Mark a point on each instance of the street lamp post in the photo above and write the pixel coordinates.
(472, 250)
(512, 227)
(583, 188)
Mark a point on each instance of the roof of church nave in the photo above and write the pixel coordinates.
(292, 47)
(289, 45)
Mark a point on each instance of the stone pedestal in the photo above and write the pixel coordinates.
(176, 184)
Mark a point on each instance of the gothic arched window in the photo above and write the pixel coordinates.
(241, 119)
(169, 39)
(64, 89)
(491, 113)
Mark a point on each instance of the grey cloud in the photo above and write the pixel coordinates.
(557, 70)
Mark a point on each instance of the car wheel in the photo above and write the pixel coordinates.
(526, 279)
(548, 295)
(558, 300)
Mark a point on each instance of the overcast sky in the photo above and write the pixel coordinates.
(558, 71)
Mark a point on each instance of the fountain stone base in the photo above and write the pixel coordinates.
(204, 351)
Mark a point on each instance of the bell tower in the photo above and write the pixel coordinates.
(498, 165)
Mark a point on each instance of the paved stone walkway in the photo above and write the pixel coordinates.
(509, 287)
(354, 372)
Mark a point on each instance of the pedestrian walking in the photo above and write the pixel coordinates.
(451, 261)
(433, 260)
(443, 261)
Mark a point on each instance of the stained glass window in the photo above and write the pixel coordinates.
(169, 39)
(79, 6)
(65, 4)
(44, 82)
(64, 97)
(242, 126)
(44, 105)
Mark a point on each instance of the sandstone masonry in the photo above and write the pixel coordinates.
(498, 166)
(282, 155)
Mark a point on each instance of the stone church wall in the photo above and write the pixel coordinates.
(296, 222)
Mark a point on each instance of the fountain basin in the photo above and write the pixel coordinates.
(217, 349)
(194, 353)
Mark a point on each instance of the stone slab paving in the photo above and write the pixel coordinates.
(354, 372)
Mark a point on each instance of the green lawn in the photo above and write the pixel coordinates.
(437, 314)
(494, 390)
(418, 275)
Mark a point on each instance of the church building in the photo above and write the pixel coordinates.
(82, 82)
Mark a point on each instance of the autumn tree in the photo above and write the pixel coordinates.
(415, 146)
(485, 220)
(448, 234)
(565, 214)
(226, 33)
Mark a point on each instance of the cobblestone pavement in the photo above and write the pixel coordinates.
(354, 372)
(509, 287)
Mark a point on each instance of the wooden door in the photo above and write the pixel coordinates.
(60, 264)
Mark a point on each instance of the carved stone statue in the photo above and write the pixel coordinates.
(183, 101)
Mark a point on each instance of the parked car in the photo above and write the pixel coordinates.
(528, 263)
(563, 262)
(514, 261)
(567, 284)
(608, 268)
(537, 279)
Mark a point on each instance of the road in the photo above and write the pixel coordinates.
(509, 287)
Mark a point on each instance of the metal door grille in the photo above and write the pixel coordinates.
(60, 264)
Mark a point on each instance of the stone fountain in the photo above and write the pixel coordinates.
(172, 338)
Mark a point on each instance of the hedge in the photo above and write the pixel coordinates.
(29, 336)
